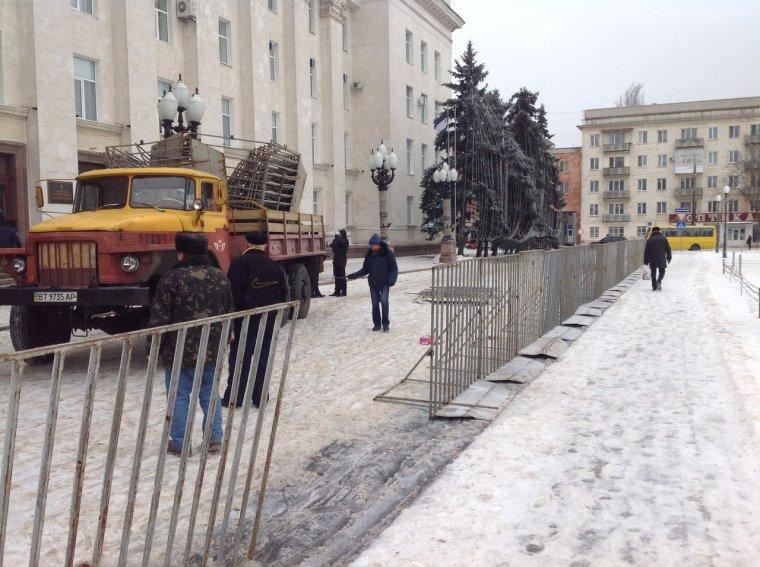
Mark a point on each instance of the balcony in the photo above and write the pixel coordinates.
(615, 218)
(686, 192)
(751, 139)
(616, 170)
(607, 195)
(690, 143)
(624, 147)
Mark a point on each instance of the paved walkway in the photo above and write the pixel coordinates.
(641, 446)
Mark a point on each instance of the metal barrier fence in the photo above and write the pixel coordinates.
(738, 271)
(104, 491)
(485, 310)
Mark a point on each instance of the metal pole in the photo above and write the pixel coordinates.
(383, 190)
(725, 224)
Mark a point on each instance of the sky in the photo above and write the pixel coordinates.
(582, 54)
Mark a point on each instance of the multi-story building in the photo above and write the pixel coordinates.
(569, 166)
(328, 78)
(642, 163)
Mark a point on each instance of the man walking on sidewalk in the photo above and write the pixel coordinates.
(380, 265)
(657, 255)
(192, 290)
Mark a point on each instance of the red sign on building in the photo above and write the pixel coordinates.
(714, 217)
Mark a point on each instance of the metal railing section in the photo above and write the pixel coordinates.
(104, 452)
(737, 270)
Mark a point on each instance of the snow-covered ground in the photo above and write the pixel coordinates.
(641, 446)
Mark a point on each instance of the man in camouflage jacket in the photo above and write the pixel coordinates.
(192, 290)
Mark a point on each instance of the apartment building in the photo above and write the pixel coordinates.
(642, 164)
(569, 166)
(328, 78)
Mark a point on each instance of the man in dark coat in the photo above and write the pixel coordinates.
(8, 234)
(339, 247)
(657, 255)
(380, 265)
(257, 281)
(192, 290)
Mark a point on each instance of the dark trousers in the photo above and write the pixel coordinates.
(655, 278)
(341, 284)
(379, 296)
(250, 346)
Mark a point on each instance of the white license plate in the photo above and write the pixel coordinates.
(55, 296)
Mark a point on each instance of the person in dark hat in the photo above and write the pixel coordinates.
(257, 281)
(657, 255)
(380, 265)
(339, 247)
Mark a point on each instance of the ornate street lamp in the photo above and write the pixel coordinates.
(177, 102)
(382, 166)
(446, 178)
(726, 190)
(717, 223)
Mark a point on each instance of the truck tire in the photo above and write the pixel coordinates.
(300, 288)
(33, 327)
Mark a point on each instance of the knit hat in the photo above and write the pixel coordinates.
(375, 239)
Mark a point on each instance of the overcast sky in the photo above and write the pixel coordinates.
(582, 54)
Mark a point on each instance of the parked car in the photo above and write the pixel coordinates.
(610, 238)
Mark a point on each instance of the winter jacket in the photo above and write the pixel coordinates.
(339, 247)
(9, 237)
(657, 251)
(192, 290)
(380, 266)
(257, 281)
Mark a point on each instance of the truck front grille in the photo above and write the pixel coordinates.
(67, 264)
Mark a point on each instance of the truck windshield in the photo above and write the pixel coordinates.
(101, 193)
(163, 192)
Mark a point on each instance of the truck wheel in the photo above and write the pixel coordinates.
(300, 289)
(33, 327)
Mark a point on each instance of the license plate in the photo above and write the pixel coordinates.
(55, 296)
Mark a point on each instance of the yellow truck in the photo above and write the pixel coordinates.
(98, 267)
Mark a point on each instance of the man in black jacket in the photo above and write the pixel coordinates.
(380, 265)
(657, 255)
(257, 281)
(339, 247)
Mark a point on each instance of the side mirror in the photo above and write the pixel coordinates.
(198, 205)
(39, 197)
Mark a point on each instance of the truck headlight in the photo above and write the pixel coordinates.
(19, 265)
(130, 263)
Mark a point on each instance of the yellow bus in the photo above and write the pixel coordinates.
(697, 237)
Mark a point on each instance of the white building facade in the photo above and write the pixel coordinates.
(641, 164)
(327, 78)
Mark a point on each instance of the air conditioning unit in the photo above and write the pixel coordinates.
(186, 10)
(358, 85)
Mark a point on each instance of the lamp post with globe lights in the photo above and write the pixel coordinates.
(726, 191)
(447, 178)
(178, 102)
(382, 167)
(717, 223)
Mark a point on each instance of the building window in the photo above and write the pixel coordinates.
(642, 161)
(409, 156)
(662, 136)
(688, 183)
(733, 181)
(563, 187)
(641, 231)
(226, 120)
(313, 77)
(561, 166)
(345, 91)
(593, 232)
(409, 101)
(712, 181)
(317, 198)
(594, 142)
(423, 57)
(437, 65)
(593, 210)
(594, 163)
(616, 185)
(569, 230)
(162, 20)
(643, 134)
(82, 5)
(662, 160)
(733, 205)
(593, 186)
(344, 34)
(662, 184)
(712, 206)
(424, 108)
(272, 5)
(733, 156)
(686, 205)
(346, 156)
(409, 210)
(642, 184)
(312, 18)
(276, 127)
(712, 133)
(616, 231)
(733, 131)
(224, 41)
(314, 130)
(349, 209)
(438, 110)
(85, 91)
(754, 130)
(617, 162)
(662, 207)
(617, 209)
(641, 208)
(274, 56)
(409, 48)
(712, 158)
(423, 158)
(688, 133)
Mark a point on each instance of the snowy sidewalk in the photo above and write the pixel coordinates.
(641, 446)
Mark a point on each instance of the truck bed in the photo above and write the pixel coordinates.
(291, 235)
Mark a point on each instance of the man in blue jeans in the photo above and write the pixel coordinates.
(192, 290)
(380, 265)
